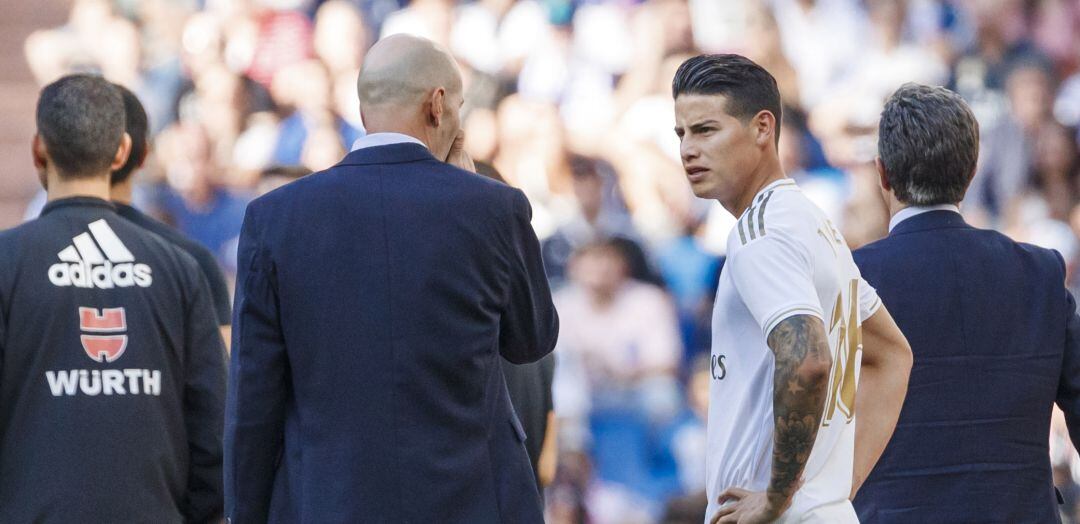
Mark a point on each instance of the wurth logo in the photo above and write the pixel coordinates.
(103, 333)
(103, 348)
(104, 382)
(98, 259)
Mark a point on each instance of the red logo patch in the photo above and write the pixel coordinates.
(103, 348)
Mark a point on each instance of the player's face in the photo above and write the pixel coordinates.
(719, 152)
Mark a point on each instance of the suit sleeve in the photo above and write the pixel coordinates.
(219, 291)
(529, 325)
(255, 405)
(204, 403)
(547, 377)
(1068, 393)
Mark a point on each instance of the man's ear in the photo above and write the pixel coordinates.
(145, 153)
(40, 153)
(437, 106)
(41, 160)
(122, 152)
(883, 176)
(764, 124)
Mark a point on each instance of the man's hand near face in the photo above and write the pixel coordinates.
(458, 157)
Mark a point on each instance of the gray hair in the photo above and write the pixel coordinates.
(928, 141)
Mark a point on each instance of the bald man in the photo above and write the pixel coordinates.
(373, 301)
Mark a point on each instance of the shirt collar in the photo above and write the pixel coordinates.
(384, 139)
(84, 201)
(782, 183)
(911, 211)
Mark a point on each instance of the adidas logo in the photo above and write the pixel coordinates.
(98, 259)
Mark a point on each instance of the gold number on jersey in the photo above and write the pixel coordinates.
(842, 382)
(831, 236)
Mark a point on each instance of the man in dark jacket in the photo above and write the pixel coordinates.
(994, 332)
(111, 364)
(137, 126)
(373, 301)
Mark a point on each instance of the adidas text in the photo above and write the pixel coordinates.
(98, 258)
(105, 276)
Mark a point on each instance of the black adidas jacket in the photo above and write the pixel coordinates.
(112, 374)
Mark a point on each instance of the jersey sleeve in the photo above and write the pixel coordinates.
(869, 302)
(774, 277)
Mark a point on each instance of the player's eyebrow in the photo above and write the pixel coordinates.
(704, 123)
(696, 126)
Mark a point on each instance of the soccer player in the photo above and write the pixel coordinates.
(789, 322)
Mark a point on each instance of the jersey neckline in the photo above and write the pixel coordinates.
(82, 201)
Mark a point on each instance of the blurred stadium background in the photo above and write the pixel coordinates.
(569, 100)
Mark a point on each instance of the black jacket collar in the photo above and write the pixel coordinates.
(77, 201)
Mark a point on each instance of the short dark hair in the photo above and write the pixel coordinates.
(137, 126)
(748, 87)
(81, 120)
(928, 141)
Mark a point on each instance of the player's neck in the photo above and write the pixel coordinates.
(93, 186)
(121, 192)
(771, 173)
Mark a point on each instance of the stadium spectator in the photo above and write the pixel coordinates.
(195, 199)
(622, 337)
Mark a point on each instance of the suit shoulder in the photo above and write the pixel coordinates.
(469, 178)
(871, 251)
(1048, 257)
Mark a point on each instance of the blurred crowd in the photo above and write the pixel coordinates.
(570, 101)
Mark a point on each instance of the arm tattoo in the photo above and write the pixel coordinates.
(799, 388)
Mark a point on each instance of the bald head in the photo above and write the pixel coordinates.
(402, 70)
(411, 85)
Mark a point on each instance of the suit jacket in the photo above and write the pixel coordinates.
(996, 342)
(530, 394)
(373, 301)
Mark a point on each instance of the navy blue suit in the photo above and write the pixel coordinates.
(996, 343)
(373, 301)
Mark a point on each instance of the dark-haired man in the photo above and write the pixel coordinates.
(112, 370)
(995, 335)
(137, 125)
(790, 317)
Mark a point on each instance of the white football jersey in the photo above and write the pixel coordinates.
(784, 258)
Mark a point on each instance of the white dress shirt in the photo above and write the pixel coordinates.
(384, 139)
(909, 212)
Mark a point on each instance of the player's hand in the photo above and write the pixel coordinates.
(458, 157)
(747, 507)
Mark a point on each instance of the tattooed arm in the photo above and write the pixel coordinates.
(803, 362)
(800, 381)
